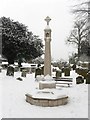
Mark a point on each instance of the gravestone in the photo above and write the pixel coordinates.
(10, 70)
(67, 71)
(27, 69)
(74, 66)
(42, 70)
(84, 72)
(37, 72)
(88, 78)
(23, 74)
(16, 69)
(62, 69)
(89, 66)
(33, 68)
(79, 80)
(0, 68)
(58, 74)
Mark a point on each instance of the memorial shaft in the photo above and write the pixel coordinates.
(47, 57)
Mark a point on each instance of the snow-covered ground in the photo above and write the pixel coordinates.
(13, 104)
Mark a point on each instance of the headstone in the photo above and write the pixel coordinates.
(33, 68)
(78, 71)
(79, 80)
(42, 70)
(0, 69)
(10, 70)
(4, 66)
(37, 72)
(89, 66)
(62, 69)
(84, 72)
(58, 74)
(74, 66)
(23, 74)
(16, 69)
(88, 78)
(67, 71)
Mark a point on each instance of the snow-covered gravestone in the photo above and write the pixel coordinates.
(10, 70)
(47, 83)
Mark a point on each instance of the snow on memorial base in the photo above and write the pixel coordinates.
(47, 95)
(46, 99)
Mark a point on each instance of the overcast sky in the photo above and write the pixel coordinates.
(33, 12)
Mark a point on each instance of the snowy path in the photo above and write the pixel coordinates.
(15, 106)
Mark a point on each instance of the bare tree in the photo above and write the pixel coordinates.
(82, 10)
(78, 34)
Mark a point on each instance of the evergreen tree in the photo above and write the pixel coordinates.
(18, 43)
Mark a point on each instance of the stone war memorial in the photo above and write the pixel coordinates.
(44, 70)
(47, 95)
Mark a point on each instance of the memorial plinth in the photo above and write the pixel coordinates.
(46, 99)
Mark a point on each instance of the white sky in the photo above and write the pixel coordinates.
(33, 12)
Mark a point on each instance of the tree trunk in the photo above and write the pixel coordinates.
(10, 61)
(79, 43)
(79, 51)
(19, 63)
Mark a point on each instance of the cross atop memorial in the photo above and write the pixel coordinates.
(47, 19)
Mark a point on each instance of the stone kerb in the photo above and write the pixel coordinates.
(46, 102)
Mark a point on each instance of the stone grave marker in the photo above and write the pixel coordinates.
(10, 70)
(37, 72)
(0, 69)
(88, 78)
(58, 74)
(67, 71)
(24, 73)
(79, 79)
